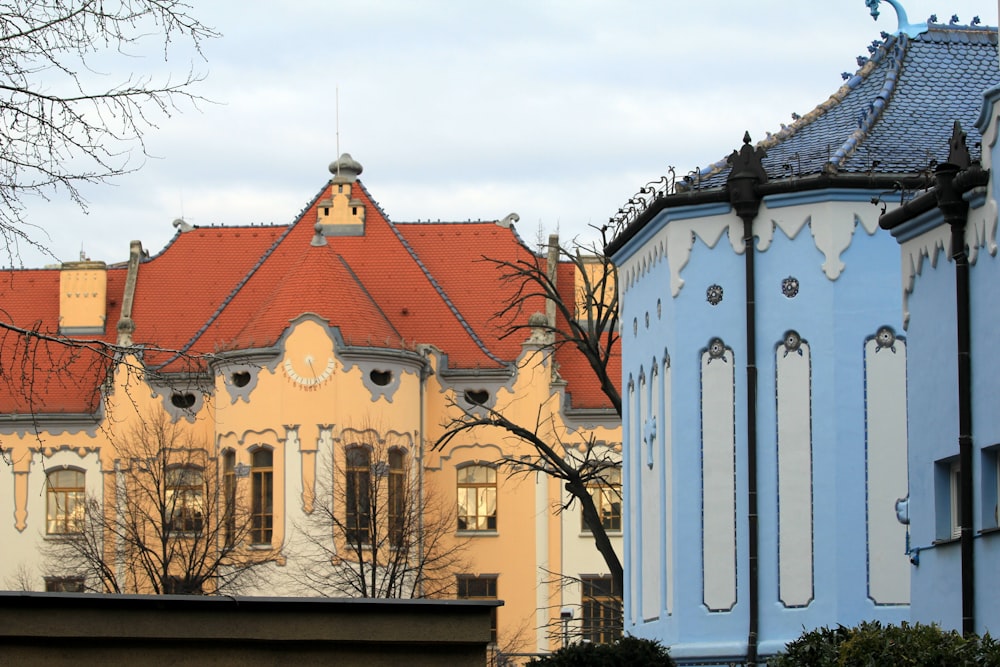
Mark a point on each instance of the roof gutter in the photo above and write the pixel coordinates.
(894, 182)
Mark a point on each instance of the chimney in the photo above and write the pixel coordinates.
(552, 269)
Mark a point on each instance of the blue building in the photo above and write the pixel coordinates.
(765, 362)
(948, 238)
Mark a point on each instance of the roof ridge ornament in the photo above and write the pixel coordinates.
(958, 150)
(905, 27)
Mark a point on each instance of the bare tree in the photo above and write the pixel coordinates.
(171, 520)
(583, 467)
(64, 121)
(581, 317)
(375, 530)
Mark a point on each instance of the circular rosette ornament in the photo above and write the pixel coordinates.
(790, 287)
(714, 294)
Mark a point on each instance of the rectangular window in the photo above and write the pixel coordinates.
(185, 500)
(607, 495)
(262, 489)
(229, 492)
(182, 586)
(947, 498)
(397, 498)
(602, 609)
(64, 585)
(955, 491)
(65, 502)
(358, 500)
(483, 587)
(990, 486)
(477, 498)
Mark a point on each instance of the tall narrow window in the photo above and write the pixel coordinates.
(262, 505)
(229, 493)
(397, 498)
(185, 500)
(65, 502)
(955, 497)
(947, 498)
(602, 609)
(607, 495)
(477, 498)
(358, 502)
(480, 588)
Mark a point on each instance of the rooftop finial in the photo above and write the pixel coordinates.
(345, 169)
(905, 27)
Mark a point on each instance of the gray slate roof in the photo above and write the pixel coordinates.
(894, 116)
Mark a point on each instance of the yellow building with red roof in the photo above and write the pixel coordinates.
(283, 347)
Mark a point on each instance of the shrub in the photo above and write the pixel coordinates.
(626, 652)
(871, 644)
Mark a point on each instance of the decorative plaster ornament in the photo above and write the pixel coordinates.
(790, 287)
(714, 294)
(792, 343)
(716, 349)
(307, 372)
(885, 338)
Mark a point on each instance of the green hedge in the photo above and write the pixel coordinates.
(871, 644)
(626, 652)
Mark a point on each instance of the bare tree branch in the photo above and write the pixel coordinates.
(586, 317)
(580, 467)
(375, 530)
(64, 121)
(165, 524)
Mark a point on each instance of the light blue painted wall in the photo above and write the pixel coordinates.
(835, 317)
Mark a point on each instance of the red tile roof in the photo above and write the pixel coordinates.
(221, 288)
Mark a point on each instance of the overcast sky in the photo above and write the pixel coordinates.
(558, 110)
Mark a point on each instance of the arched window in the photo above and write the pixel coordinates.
(185, 500)
(262, 489)
(65, 501)
(397, 497)
(358, 495)
(477, 498)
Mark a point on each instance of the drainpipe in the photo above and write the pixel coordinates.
(954, 209)
(747, 172)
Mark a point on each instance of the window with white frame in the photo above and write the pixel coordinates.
(947, 499)
(955, 491)
(990, 487)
